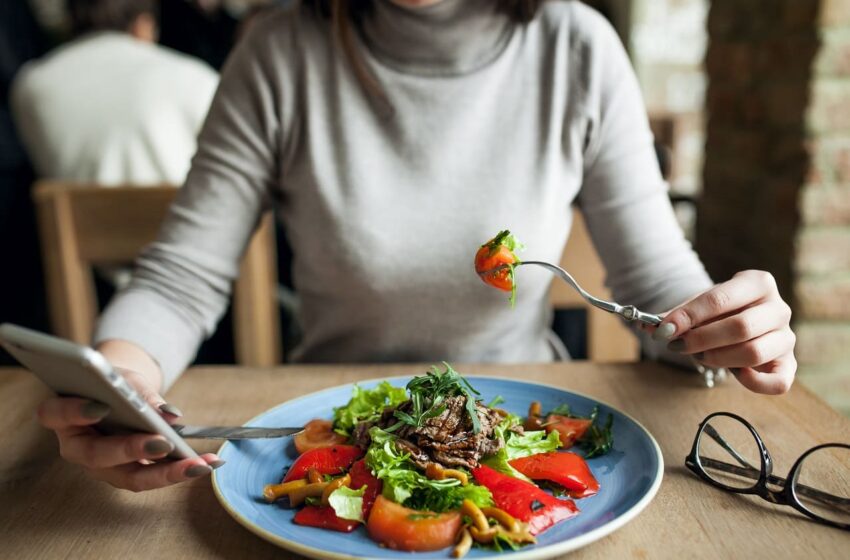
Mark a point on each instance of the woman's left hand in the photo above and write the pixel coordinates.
(742, 325)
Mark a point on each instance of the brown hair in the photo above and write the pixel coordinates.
(343, 12)
(107, 15)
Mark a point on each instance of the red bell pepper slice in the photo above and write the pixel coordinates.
(327, 460)
(324, 517)
(362, 476)
(567, 469)
(524, 500)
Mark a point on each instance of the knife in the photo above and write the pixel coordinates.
(232, 432)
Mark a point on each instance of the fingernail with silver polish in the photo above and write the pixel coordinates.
(156, 447)
(216, 464)
(664, 332)
(94, 409)
(198, 470)
(677, 345)
(170, 409)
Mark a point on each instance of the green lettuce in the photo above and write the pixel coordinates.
(348, 503)
(405, 485)
(366, 405)
(516, 446)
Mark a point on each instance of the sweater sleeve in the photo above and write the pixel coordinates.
(623, 197)
(182, 282)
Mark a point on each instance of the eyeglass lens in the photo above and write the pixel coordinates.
(729, 453)
(823, 484)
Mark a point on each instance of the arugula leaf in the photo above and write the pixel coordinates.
(348, 503)
(427, 393)
(366, 405)
(497, 400)
(405, 485)
(506, 238)
(597, 440)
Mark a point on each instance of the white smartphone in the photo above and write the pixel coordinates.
(73, 370)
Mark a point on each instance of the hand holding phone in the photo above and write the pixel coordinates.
(101, 419)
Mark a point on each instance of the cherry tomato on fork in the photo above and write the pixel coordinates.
(497, 252)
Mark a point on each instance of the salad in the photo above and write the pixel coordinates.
(431, 466)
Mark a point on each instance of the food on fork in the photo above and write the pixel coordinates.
(495, 262)
(432, 466)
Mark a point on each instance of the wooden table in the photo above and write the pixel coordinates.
(49, 509)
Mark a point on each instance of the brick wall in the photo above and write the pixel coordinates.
(666, 41)
(777, 167)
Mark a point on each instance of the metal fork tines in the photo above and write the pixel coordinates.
(627, 312)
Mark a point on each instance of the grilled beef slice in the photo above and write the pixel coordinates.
(446, 439)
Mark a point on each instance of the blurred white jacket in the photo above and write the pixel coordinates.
(110, 109)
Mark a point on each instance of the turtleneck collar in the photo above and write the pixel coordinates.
(450, 37)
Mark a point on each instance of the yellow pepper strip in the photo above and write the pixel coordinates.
(504, 518)
(272, 492)
(435, 471)
(464, 543)
(471, 510)
(333, 485)
(314, 476)
(315, 489)
(522, 536)
(486, 536)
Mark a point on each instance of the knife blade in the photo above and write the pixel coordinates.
(233, 432)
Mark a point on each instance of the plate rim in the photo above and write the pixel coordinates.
(547, 551)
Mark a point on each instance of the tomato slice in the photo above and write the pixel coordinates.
(524, 500)
(362, 476)
(323, 517)
(317, 433)
(569, 429)
(401, 528)
(327, 460)
(567, 469)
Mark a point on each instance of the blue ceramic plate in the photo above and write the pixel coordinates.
(629, 476)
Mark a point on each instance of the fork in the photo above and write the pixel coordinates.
(628, 312)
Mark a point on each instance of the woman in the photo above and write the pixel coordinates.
(393, 137)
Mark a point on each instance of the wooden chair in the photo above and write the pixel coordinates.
(82, 226)
(608, 338)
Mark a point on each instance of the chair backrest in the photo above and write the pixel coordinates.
(82, 226)
(608, 338)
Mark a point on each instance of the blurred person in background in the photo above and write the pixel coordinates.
(21, 283)
(111, 106)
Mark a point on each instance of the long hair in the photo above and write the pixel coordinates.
(343, 13)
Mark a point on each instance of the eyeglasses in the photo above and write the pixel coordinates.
(729, 454)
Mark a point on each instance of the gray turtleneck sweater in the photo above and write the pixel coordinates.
(495, 125)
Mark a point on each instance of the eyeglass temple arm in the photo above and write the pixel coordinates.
(709, 429)
(808, 491)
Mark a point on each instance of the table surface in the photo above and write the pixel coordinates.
(49, 509)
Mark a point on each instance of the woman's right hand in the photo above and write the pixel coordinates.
(124, 461)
